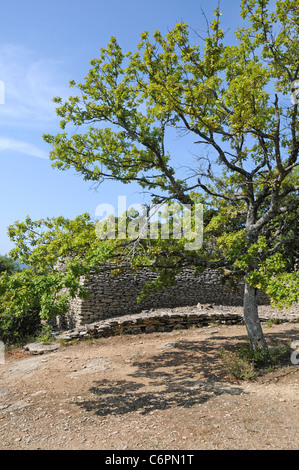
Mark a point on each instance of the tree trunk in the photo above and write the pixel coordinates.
(252, 321)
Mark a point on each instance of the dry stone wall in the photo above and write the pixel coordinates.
(147, 322)
(115, 296)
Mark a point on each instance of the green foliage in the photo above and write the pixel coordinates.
(46, 334)
(44, 245)
(261, 359)
(16, 329)
(247, 363)
(237, 367)
(7, 264)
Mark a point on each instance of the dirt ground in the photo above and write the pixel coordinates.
(158, 391)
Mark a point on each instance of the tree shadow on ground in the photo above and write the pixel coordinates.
(184, 374)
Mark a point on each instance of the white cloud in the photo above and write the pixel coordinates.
(31, 83)
(21, 147)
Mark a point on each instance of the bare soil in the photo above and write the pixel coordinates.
(158, 391)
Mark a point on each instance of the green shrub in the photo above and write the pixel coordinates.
(273, 321)
(237, 367)
(246, 363)
(16, 329)
(274, 356)
(45, 335)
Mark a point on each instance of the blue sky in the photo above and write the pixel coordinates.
(43, 45)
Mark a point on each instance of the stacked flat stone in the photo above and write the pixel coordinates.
(147, 322)
(114, 296)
